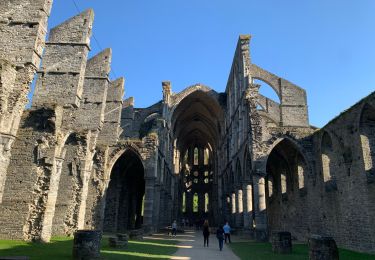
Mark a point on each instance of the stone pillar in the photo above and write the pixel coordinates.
(6, 142)
(149, 202)
(50, 206)
(95, 95)
(260, 208)
(240, 209)
(234, 209)
(248, 212)
(156, 210)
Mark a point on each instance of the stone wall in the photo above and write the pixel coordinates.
(23, 27)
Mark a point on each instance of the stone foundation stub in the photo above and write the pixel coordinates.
(136, 234)
(322, 248)
(281, 242)
(87, 244)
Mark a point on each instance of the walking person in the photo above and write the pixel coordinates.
(174, 228)
(206, 232)
(220, 237)
(227, 230)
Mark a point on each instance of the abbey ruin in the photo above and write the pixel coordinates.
(81, 157)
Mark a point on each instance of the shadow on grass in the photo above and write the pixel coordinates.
(263, 251)
(57, 249)
(61, 248)
(151, 249)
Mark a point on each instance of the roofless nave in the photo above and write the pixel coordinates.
(81, 157)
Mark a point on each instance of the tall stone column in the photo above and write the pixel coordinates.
(156, 210)
(149, 202)
(234, 208)
(260, 208)
(50, 206)
(240, 208)
(248, 210)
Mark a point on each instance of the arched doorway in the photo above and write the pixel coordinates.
(197, 120)
(285, 189)
(125, 194)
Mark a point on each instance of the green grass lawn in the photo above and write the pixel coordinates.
(61, 248)
(263, 251)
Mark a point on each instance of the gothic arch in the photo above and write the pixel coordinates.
(276, 141)
(247, 166)
(327, 157)
(120, 150)
(125, 193)
(288, 155)
(189, 90)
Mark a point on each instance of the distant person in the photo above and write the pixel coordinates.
(206, 232)
(183, 222)
(174, 228)
(220, 237)
(227, 230)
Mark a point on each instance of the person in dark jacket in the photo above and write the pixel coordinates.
(206, 232)
(220, 237)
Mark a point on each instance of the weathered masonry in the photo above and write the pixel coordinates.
(82, 157)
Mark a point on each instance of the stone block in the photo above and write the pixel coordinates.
(87, 244)
(281, 242)
(322, 248)
(136, 234)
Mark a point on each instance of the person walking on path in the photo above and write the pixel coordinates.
(227, 230)
(206, 232)
(174, 228)
(220, 237)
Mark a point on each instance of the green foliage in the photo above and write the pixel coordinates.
(263, 251)
(61, 248)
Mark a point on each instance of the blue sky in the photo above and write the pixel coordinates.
(325, 47)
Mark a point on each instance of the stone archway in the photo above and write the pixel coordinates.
(285, 188)
(125, 194)
(197, 121)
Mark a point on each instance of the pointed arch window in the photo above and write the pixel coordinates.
(196, 156)
(195, 203)
(206, 202)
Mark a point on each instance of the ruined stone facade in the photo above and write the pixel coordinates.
(82, 157)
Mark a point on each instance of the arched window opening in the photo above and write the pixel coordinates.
(206, 156)
(183, 202)
(270, 186)
(196, 156)
(267, 91)
(206, 202)
(195, 203)
(327, 154)
(367, 137)
(283, 181)
(301, 166)
(143, 206)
